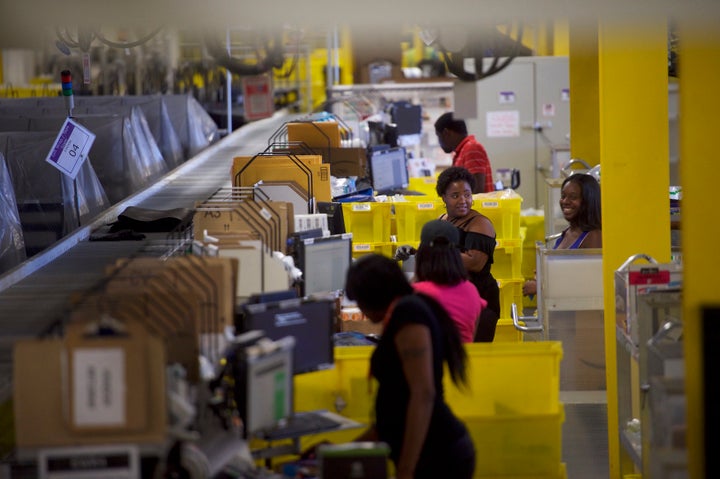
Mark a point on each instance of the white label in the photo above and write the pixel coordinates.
(120, 461)
(426, 206)
(506, 97)
(98, 387)
(86, 68)
(70, 148)
(490, 204)
(265, 214)
(362, 247)
(361, 206)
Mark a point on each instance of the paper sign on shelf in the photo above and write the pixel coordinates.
(99, 387)
(70, 148)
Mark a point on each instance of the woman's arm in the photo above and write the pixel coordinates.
(414, 347)
(475, 260)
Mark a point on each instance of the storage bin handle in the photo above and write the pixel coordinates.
(635, 257)
(536, 327)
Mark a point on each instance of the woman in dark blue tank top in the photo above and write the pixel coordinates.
(580, 204)
(427, 441)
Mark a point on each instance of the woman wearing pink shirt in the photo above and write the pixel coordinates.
(440, 273)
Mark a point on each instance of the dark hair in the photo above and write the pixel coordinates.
(589, 216)
(446, 120)
(374, 281)
(451, 175)
(439, 262)
(453, 348)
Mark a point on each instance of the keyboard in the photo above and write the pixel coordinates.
(298, 425)
(401, 191)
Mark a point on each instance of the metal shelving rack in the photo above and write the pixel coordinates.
(650, 385)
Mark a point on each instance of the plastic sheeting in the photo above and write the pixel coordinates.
(179, 124)
(124, 153)
(12, 244)
(138, 139)
(47, 203)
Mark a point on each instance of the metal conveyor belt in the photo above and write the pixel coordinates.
(36, 294)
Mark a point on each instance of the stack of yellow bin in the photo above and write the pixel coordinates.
(511, 405)
(503, 209)
(370, 225)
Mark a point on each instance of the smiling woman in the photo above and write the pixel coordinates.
(580, 205)
(477, 243)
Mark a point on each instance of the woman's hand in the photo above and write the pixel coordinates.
(404, 475)
(530, 287)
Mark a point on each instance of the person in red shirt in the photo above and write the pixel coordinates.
(467, 151)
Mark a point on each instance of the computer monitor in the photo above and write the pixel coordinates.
(388, 170)
(334, 212)
(407, 117)
(324, 263)
(310, 322)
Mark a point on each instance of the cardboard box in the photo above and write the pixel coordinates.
(344, 162)
(64, 397)
(213, 280)
(352, 319)
(270, 221)
(173, 313)
(323, 134)
(312, 175)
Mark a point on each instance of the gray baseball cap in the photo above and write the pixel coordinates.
(435, 228)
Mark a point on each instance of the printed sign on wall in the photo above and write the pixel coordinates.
(503, 124)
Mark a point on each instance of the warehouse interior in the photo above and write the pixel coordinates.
(180, 128)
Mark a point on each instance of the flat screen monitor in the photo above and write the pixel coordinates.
(407, 117)
(388, 170)
(324, 263)
(334, 212)
(310, 322)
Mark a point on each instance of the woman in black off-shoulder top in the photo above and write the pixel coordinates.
(477, 243)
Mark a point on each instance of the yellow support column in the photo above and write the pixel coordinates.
(634, 154)
(584, 92)
(699, 60)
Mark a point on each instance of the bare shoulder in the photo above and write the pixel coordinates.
(593, 239)
(481, 224)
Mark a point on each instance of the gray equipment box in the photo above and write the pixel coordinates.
(632, 280)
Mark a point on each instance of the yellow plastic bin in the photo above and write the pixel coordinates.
(518, 445)
(503, 209)
(507, 259)
(361, 249)
(410, 217)
(507, 332)
(509, 379)
(369, 222)
(424, 184)
(510, 292)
